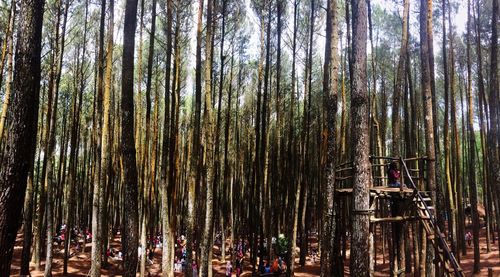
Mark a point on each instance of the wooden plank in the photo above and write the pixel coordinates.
(374, 219)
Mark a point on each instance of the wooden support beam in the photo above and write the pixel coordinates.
(374, 219)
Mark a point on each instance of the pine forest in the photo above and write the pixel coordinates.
(249, 138)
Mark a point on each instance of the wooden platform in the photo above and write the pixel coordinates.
(380, 190)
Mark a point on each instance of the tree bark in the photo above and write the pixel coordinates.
(425, 17)
(400, 77)
(208, 127)
(166, 263)
(493, 140)
(97, 192)
(330, 92)
(472, 152)
(130, 224)
(23, 118)
(360, 258)
(194, 177)
(291, 150)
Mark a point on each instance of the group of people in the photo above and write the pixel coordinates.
(79, 237)
(114, 254)
(238, 269)
(278, 266)
(181, 254)
(150, 253)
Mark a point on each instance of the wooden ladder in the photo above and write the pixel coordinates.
(423, 204)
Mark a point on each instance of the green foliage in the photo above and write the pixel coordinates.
(281, 245)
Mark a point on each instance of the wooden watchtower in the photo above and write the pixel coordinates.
(409, 203)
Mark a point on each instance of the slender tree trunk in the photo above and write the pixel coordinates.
(472, 151)
(98, 187)
(494, 110)
(396, 115)
(167, 270)
(130, 224)
(425, 17)
(50, 179)
(360, 258)
(291, 149)
(208, 127)
(330, 88)
(74, 141)
(8, 50)
(144, 173)
(195, 154)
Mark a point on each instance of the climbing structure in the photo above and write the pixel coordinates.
(414, 203)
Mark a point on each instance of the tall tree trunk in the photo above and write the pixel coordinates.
(446, 120)
(130, 225)
(74, 140)
(400, 77)
(472, 151)
(97, 192)
(166, 263)
(330, 91)
(455, 153)
(425, 17)
(264, 149)
(291, 149)
(208, 127)
(23, 118)
(360, 258)
(145, 178)
(494, 110)
(220, 200)
(50, 179)
(481, 96)
(194, 177)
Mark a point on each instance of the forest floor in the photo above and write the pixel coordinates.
(79, 265)
(488, 259)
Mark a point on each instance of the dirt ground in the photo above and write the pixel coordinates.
(79, 264)
(488, 259)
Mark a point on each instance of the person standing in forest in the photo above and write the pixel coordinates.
(393, 176)
(229, 268)
(239, 265)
